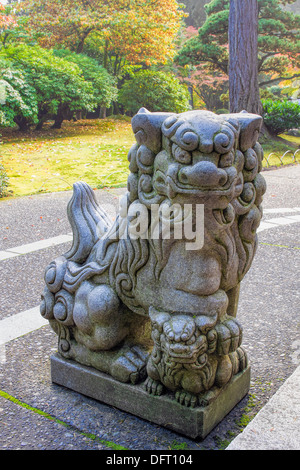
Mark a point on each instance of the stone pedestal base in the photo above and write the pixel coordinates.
(163, 410)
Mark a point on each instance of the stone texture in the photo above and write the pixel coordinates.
(162, 410)
(153, 295)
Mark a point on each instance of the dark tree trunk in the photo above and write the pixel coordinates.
(63, 113)
(22, 122)
(58, 120)
(42, 118)
(243, 68)
(102, 113)
(39, 125)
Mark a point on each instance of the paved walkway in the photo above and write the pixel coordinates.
(36, 414)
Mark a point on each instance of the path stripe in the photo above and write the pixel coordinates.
(49, 242)
(281, 210)
(24, 322)
(277, 221)
(20, 324)
(32, 247)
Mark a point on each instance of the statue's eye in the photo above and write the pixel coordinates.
(226, 160)
(180, 155)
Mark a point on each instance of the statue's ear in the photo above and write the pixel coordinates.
(158, 318)
(250, 125)
(147, 128)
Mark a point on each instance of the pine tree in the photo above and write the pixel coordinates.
(243, 70)
(278, 41)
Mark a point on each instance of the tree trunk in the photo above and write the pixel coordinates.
(39, 125)
(42, 118)
(243, 65)
(102, 113)
(22, 122)
(58, 120)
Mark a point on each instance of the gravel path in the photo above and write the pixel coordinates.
(38, 415)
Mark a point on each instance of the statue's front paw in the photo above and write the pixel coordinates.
(130, 366)
(229, 333)
(207, 398)
(239, 360)
(154, 387)
(186, 398)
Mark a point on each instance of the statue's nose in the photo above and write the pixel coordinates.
(204, 174)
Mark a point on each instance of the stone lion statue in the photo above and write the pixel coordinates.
(143, 299)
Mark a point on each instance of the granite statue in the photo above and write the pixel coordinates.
(144, 300)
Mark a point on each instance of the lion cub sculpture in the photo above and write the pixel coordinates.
(152, 296)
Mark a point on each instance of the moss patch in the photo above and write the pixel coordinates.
(109, 444)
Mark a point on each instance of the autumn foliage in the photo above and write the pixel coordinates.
(5, 20)
(7, 23)
(139, 31)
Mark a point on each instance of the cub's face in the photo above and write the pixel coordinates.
(182, 342)
(179, 338)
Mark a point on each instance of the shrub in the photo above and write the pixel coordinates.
(222, 111)
(156, 91)
(280, 116)
(60, 88)
(3, 182)
(104, 85)
(18, 100)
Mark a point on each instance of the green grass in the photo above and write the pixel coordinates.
(274, 150)
(249, 412)
(94, 151)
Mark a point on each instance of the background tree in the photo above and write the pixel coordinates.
(60, 88)
(278, 40)
(122, 35)
(243, 68)
(139, 32)
(104, 85)
(206, 85)
(156, 91)
(7, 23)
(18, 104)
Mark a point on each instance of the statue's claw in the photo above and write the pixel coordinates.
(154, 387)
(208, 397)
(186, 398)
(130, 366)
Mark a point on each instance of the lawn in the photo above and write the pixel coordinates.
(277, 153)
(94, 151)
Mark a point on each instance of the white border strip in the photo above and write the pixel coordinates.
(281, 210)
(20, 324)
(42, 244)
(277, 222)
(31, 247)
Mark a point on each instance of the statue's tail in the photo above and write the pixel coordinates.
(88, 221)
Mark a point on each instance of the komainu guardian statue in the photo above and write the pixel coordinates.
(149, 301)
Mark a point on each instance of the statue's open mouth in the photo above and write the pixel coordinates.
(183, 353)
(194, 357)
(176, 187)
